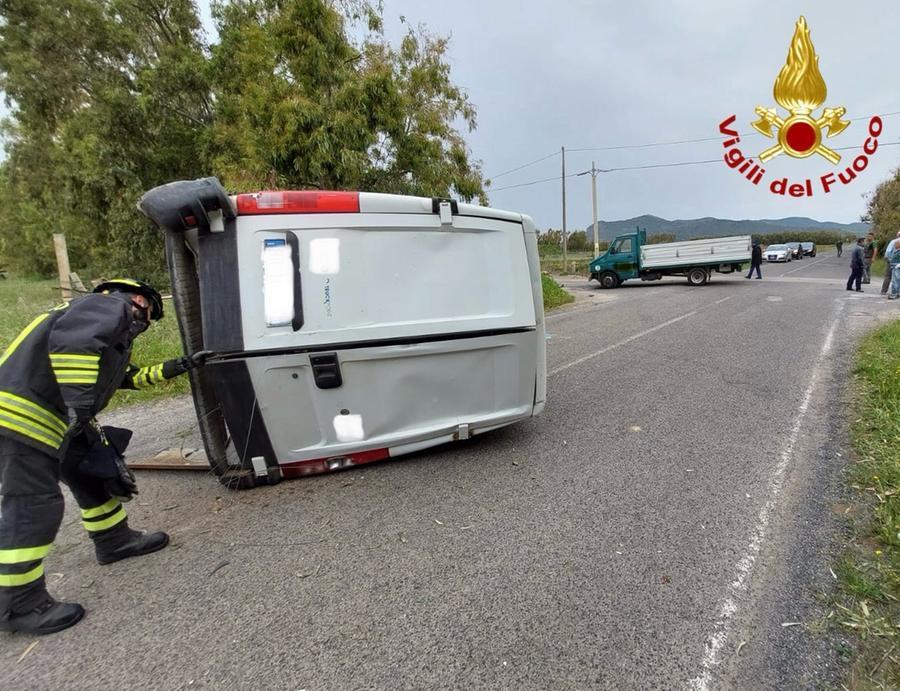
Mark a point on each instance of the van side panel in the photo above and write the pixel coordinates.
(394, 395)
(368, 277)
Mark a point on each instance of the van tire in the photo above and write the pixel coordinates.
(609, 279)
(697, 276)
(186, 297)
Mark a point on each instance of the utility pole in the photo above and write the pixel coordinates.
(594, 172)
(564, 239)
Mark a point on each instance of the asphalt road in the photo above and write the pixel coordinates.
(656, 527)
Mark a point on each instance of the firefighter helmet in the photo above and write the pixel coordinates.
(131, 285)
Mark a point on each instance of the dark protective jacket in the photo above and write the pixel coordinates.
(857, 260)
(756, 255)
(73, 357)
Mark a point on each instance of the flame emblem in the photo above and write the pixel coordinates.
(800, 89)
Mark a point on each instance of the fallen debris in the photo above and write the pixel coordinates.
(27, 650)
(221, 565)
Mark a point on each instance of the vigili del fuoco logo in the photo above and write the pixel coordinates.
(800, 90)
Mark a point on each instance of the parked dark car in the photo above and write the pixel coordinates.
(796, 251)
(809, 249)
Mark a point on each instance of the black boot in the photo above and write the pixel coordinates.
(49, 616)
(121, 542)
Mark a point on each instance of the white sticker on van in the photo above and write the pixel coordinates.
(349, 427)
(325, 256)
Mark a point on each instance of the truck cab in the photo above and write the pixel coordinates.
(620, 261)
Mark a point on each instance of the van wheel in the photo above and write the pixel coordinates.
(697, 277)
(608, 279)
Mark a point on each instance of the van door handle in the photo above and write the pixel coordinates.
(326, 370)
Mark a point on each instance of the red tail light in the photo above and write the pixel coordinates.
(297, 202)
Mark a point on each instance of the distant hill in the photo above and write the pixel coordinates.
(717, 227)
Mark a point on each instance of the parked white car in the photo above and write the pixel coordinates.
(777, 253)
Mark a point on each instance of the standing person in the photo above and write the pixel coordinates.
(58, 373)
(870, 254)
(840, 247)
(857, 265)
(888, 251)
(755, 260)
(892, 255)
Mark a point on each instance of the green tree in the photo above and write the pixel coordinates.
(578, 242)
(108, 98)
(111, 97)
(298, 104)
(883, 210)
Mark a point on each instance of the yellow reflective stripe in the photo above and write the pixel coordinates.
(81, 357)
(33, 410)
(76, 365)
(74, 370)
(142, 379)
(24, 426)
(76, 373)
(23, 417)
(102, 509)
(22, 336)
(21, 555)
(72, 380)
(12, 579)
(95, 526)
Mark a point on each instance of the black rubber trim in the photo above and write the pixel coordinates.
(236, 395)
(220, 291)
(409, 340)
(294, 244)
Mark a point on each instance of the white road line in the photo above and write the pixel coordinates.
(744, 569)
(636, 336)
(806, 265)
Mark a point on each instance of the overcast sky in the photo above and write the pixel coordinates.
(601, 73)
(589, 73)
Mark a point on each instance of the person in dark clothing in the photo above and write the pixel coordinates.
(840, 247)
(57, 374)
(857, 265)
(755, 260)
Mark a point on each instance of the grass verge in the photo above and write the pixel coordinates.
(21, 300)
(575, 265)
(554, 294)
(869, 571)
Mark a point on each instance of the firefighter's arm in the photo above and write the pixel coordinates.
(76, 343)
(142, 377)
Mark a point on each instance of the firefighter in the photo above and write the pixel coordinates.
(58, 373)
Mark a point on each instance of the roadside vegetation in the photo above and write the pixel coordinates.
(554, 294)
(869, 571)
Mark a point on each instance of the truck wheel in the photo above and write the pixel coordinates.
(697, 277)
(608, 279)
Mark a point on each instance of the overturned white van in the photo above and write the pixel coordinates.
(349, 327)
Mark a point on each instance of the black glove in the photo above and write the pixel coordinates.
(123, 487)
(81, 421)
(189, 362)
(80, 416)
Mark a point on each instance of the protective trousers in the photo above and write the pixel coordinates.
(31, 511)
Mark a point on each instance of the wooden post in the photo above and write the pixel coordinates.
(62, 264)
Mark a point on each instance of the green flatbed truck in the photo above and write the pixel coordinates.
(629, 256)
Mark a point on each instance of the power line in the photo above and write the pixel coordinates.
(654, 144)
(524, 165)
(528, 184)
(676, 164)
(702, 139)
